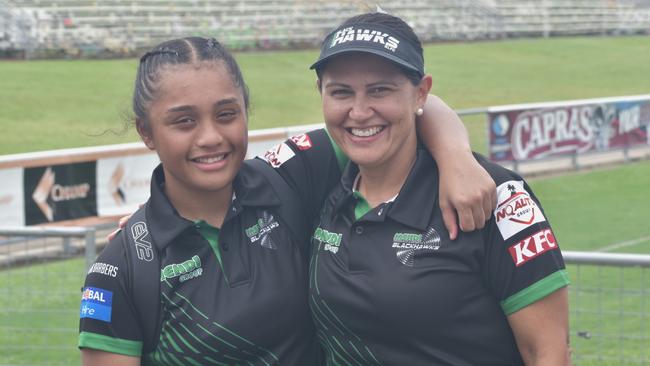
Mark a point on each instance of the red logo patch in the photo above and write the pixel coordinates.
(302, 141)
(532, 246)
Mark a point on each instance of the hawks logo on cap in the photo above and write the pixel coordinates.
(365, 35)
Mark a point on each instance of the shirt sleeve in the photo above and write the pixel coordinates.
(311, 163)
(523, 262)
(107, 320)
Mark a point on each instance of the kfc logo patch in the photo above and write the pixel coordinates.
(302, 141)
(516, 210)
(278, 155)
(532, 246)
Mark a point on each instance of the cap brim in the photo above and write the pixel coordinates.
(382, 54)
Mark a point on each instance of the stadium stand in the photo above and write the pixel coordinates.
(45, 28)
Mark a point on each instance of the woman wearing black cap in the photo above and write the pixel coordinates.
(387, 286)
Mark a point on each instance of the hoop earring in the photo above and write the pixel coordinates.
(419, 112)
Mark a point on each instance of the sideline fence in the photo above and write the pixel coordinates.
(609, 304)
(41, 274)
(42, 271)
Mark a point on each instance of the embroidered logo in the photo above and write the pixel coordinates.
(331, 241)
(408, 245)
(261, 230)
(187, 270)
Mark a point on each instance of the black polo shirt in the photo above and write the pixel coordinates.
(388, 287)
(234, 295)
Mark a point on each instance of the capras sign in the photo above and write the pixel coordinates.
(540, 130)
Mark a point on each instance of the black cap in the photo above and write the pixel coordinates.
(372, 38)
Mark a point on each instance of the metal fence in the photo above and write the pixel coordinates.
(609, 307)
(41, 274)
(42, 271)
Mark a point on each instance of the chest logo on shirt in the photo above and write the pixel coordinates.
(408, 245)
(187, 270)
(262, 229)
(516, 210)
(331, 241)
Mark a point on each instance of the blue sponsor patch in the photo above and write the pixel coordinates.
(96, 303)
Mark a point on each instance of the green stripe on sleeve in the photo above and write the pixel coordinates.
(110, 344)
(341, 158)
(535, 292)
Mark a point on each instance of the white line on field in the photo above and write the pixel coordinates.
(623, 244)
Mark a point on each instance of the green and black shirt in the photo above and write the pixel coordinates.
(230, 295)
(388, 287)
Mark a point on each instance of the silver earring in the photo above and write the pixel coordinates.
(419, 112)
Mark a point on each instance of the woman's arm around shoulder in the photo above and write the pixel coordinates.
(541, 330)
(91, 357)
(467, 192)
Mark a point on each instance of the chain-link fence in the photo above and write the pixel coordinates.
(609, 305)
(41, 274)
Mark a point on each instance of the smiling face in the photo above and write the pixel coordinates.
(197, 125)
(369, 107)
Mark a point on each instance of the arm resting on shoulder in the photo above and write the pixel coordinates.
(541, 330)
(467, 191)
(91, 357)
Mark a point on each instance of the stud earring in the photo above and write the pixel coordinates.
(419, 112)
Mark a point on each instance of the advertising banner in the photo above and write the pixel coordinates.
(59, 192)
(12, 211)
(123, 183)
(542, 130)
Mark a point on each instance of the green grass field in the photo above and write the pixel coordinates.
(60, 104)
(68, 103)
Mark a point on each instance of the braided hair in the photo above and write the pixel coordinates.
(175, 52)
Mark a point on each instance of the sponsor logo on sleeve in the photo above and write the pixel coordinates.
(302, 141)
(533, 246)
(516, 210)
(104, 269)
(96, 303)
(278, 155)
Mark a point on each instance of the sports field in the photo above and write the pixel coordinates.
(69, 103)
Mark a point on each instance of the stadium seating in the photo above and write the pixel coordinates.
(107, 27)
